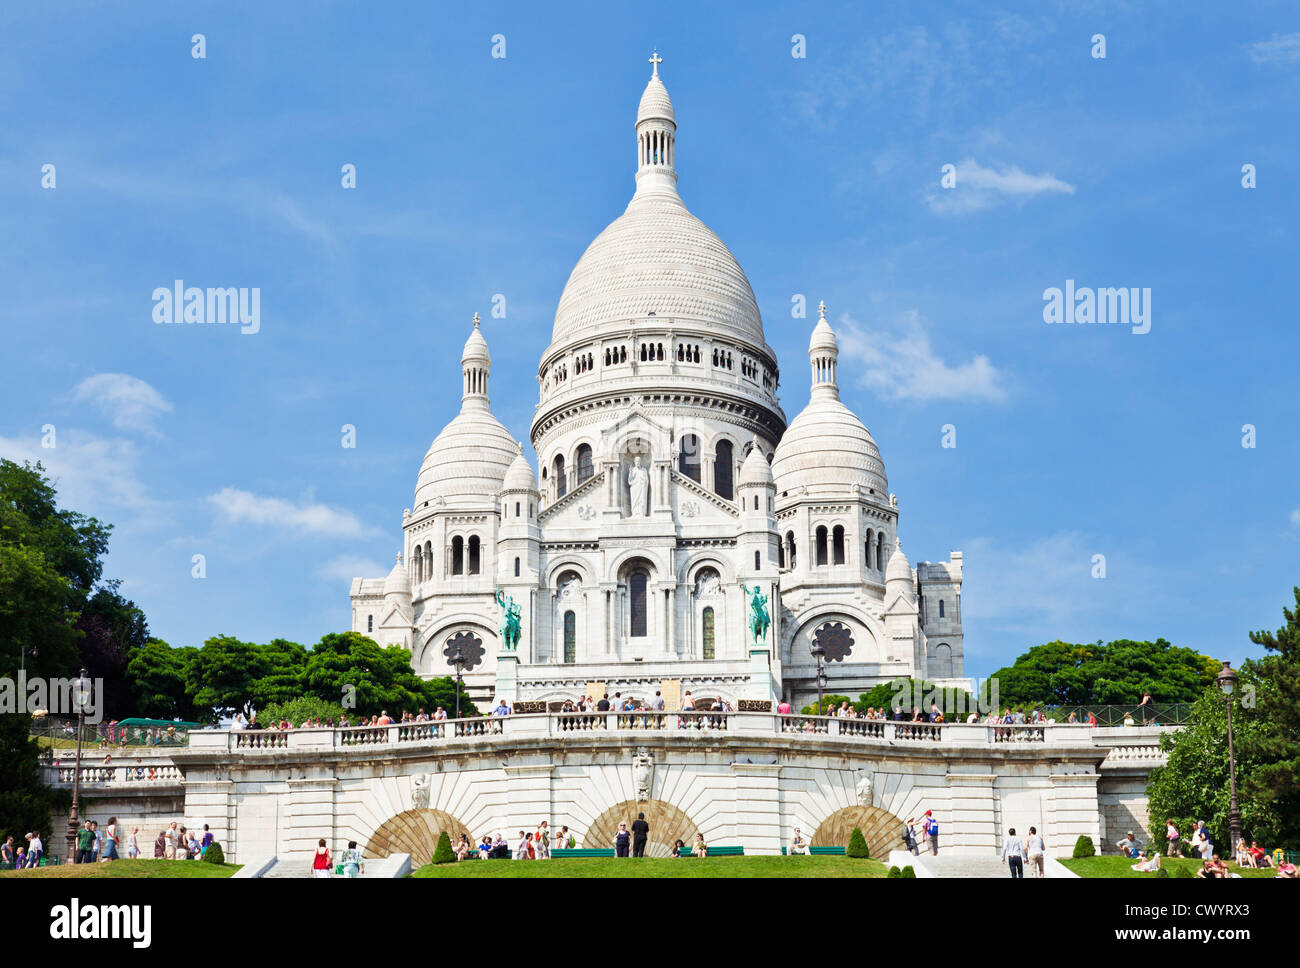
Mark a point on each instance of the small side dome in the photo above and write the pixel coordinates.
(755, 471)
(398, 581)
(519, 475)
(898, 570)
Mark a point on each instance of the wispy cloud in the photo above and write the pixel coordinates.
(305, 519)
(1295, 518)
(978, 188)
(903, 364)
(129, 402)
(1282, 49)
(94, 475)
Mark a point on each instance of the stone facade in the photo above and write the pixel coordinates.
(670, 488)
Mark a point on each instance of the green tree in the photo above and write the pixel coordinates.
(349, 668)
(1194, 781)
(161, 684)
(443, 854)
(299, 710)
(919, 693)
(25, 802)
(223, 672)
(1276, 779)
(1067, 674)
(857, 846)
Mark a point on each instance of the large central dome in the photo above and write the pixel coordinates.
(658, 258)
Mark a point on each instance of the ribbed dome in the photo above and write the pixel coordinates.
(898, 569)
(655, 102)
(658, 257)
(827, 450)
(476, 348)
(520, 476)
(755, 469)
(398, 581)
(468, 459)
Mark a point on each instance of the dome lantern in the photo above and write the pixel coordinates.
(823, 356)
(475, 363)
(656, 136)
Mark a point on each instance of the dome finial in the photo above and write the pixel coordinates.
(821, 309)
(655, 61)
(476, 320)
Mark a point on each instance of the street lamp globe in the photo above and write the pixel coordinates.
(1227, 679)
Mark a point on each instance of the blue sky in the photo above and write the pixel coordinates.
(478, 176)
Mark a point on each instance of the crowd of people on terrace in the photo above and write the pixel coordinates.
(94, 845)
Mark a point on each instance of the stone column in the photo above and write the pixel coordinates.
(310, 817)
(758, 807)
(507, 684)
(972, 813)
(528, 800)
(208, 802)
(1070, 810)
(671, 647)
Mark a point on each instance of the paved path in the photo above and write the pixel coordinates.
(968, 865)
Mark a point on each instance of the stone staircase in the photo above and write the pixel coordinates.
(952, 864)
(398, 865)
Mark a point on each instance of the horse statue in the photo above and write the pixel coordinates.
(759, 619)
(510, 624)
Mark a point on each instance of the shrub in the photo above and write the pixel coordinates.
(857, 844)
(443, 854)
(1180, 870)
(1163, 872)
(908, 872)
(213, 854)
(894, 872)
(1083, 847)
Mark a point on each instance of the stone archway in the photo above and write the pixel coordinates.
(667, 825)
(882, 830)
(413, 832)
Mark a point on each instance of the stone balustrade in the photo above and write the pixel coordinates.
(127, 775)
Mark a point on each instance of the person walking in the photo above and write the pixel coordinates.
(35, 849)
(1171, 835)
(543, 841)
(932, 832)
(1034, 849)
(173, 837)
(8, 857)
(110, 841)
(621, 840)
(85, 844)
(351, 860)
(640, 833)
(133, 844)
(1013, 852)
(909, 837)
(322, 865)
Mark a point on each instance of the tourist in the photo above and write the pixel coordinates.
(909, 836)
(462, 847)
(182, 845)
(521, 849)
(543, 841)
(1092, 718)
(195, 848)
(384, 719)
(931, 832)
(160, 846)
(798, 845)
(688, 701)
(565, 839)
(1013, 852)
(1034, 849)
(1256, 856)
(502, 709)
(678, 847)
(1072, 718)
(485, 848)
(783, 707)
(85, 845)
(207, 839)
(658, 705)
(1171, 835)
(110, 841)
(1130, 846)
(621, 840)
(133, 844)
(20, 859)
(8, 855)
(351, 860)
(321, 863)
(500, 849)
(700, 849)
(640, 834)
(1201, 840)
(1286, 870)
(1207, 869)
(35, 849)
(440, 714)
(530, 848)
(99, 840)
(1221, 867)
(1149, 865)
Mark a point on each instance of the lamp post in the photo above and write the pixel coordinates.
(819, 653)
(457, 661)
(80, 699)
(1227, 680)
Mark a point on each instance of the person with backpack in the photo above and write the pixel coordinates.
(931, 827)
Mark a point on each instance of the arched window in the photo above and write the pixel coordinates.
(867, 556)
(585, 470)
(837, 544)
(516, 509)
(722, 469)
(636, 588)
(370, 623)
(689, 462)
(758, 560)
(570, 637)
(561, 485)
(790, 549)
(458, 555)
(821, 545)
(780, 554)
(880, 551)
(941, 608)
(516, 567)
(707, 624)
(473, 554)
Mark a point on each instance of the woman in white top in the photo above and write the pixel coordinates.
(133, 844)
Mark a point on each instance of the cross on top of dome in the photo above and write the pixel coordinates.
(821, 309)
(655, 61)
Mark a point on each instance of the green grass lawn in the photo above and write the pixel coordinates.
(661, 867)
(1122, 867)
(131, 868)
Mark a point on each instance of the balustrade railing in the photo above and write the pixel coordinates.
(99, 775)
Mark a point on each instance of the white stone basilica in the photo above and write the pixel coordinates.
(670, 484)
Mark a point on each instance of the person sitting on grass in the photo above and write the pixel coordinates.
(1255, 856)
(1207, 869)
(1285, 869)
(700, 849)
(1221, 867)
(1150, 864)
(798, 843)
(678, 849)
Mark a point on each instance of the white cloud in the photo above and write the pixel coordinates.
(1295, 518)
(308, 519)
(978, 188)
(344, 568)
(93, 475)
(129, 402)
(1282, 49)
(903, 365)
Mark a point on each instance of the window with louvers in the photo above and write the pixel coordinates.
(637, 593)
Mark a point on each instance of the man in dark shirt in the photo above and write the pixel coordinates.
(603, 705)
(640, 831)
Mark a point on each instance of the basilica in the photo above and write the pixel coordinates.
(671, 493)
